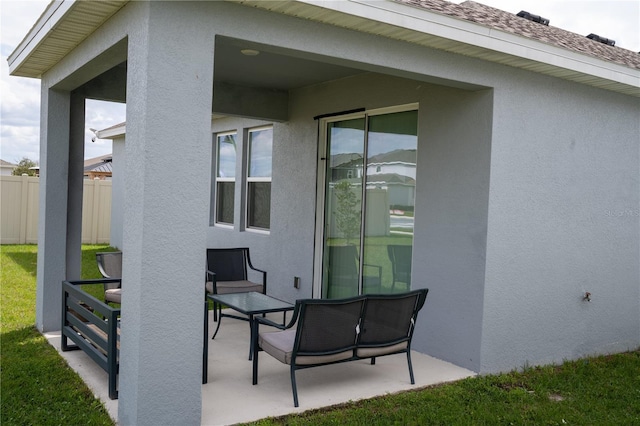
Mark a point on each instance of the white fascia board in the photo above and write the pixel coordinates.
(416, 19)
(54, 13)
(112, 132)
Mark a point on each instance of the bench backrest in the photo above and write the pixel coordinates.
(328, 326)
(333, 326)
(390, 319)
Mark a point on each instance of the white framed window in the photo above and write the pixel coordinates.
(225, 178)
(260, 145)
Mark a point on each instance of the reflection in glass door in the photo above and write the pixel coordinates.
(369, 204)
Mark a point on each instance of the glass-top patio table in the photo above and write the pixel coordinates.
(250, 304)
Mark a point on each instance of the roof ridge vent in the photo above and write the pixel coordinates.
(535, 18)
(604, 40)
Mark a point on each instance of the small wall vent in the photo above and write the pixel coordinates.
(596, 37)
(532, 17)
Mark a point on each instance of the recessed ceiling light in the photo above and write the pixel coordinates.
(250, 52)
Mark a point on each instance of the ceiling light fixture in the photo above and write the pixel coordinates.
(250, 52)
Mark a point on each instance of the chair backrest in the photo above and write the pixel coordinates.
(229, 264)
(391, 318)
(327, 326)
(110, 264)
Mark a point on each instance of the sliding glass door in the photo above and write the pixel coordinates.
(369, 197)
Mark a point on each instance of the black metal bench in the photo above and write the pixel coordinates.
(332, 331)
(92, 326)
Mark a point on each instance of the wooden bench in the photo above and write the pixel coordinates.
(92, 326)
(324, 332)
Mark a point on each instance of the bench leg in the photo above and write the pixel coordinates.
(205, 345)
(294, 388)
(413, 382)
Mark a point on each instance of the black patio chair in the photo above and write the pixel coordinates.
(227, 272)
(110, 266)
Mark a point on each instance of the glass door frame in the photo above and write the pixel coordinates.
(321, 183)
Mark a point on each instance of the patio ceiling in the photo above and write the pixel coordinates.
(272, 67)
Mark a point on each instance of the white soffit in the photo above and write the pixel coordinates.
(61, 27)
(65, 24)
(427, 28)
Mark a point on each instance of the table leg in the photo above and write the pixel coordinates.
(219, 320)
(255, 360)
(253, 326)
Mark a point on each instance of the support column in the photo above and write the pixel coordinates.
(166, 175)
(75, 187)
(52, 223)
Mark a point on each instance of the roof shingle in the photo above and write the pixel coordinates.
(508, 22)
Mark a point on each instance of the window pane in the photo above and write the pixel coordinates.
(343, 206)
(227, 156)
(259, 204)
(224, 202)
(260, 144)
(391, 185)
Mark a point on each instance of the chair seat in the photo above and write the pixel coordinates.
(113, 295)
(279, 344)
(226, 287)
(380, 351)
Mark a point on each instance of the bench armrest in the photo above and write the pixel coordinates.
(292, 322)
(266, 321)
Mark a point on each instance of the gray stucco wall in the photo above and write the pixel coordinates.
(563, 220)
(452, 194)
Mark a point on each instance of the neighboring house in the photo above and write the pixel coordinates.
(99, 167)
(116, 134)
(526, 196)
(6, 168)
(398, 161)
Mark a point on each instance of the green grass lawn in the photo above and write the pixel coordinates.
(37, 388)
(595, 391)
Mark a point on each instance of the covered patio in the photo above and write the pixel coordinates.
(524, 199)
(229, 397)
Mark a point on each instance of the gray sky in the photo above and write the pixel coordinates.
(20, 97)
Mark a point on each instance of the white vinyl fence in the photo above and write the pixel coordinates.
(19, 203)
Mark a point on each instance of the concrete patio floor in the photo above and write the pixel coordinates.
(230, 398)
